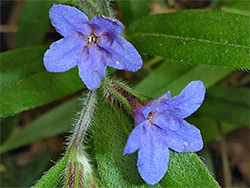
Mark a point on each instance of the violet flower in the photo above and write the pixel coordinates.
(160, 126)
(91, 45)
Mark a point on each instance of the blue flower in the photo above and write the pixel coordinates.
(160, 126)
(91, 45)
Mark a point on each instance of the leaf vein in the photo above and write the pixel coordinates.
(188, 38)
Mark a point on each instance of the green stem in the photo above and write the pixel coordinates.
(105, 8)
(87, 8)
(84, 121)
(120, 93)
(225, 162)
(79, 171)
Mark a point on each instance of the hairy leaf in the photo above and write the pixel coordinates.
(110, 132)
(195, 36)
(25, 83)
(54, 175)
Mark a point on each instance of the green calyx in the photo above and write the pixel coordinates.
(120, 93)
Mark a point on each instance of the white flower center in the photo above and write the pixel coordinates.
(92, 38)
(149, 118)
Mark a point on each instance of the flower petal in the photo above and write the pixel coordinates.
(62, 55)
(92, 70)
(189, 100)
(157, 102)
(166, 121)
(153, 156)
(133, 142)
(121, 54)
(68, 20)
(141, 114)
(102, 24)
(186, 139)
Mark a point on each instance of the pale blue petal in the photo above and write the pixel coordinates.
(104, 25)
(121, 54)
(141, 114)
(166, 121)
(158, 102)
(153, 156)
(134, 139)
(68, 20)
(63, 55)
(92, 69)
(189, 100)
(186, 139)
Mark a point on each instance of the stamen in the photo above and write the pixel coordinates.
(92, 38)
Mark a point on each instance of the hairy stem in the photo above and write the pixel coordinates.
(105, 8)
(84, 121)
(78, 172)
(87, 8)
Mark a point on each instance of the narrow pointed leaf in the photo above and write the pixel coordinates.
(33, 23)
(224, 111)
(239, 7)
(174, 77)
(209, 127)
(52, 123)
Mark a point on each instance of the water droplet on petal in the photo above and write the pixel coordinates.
(185, 144)
(117, 62)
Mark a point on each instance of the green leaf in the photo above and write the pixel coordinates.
(73, 2)
(228, 104)
(209, 127)
(52, 123)
(195, 36)
(187, 170)
(110, 133)
(234, 95)
(33, 23)
(25, 83)
(239, 7)
(133, 10)
(216, 4)
(162, 76)
(175, 76)
(22, 175)
(206, 154)
(54, 175)
(7, 125)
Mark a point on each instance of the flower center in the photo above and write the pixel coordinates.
(92, 38)
(149, 118)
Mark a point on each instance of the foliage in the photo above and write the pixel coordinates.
(177, 48)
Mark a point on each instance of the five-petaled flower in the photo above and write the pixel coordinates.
(91, 45)
(160, 126)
